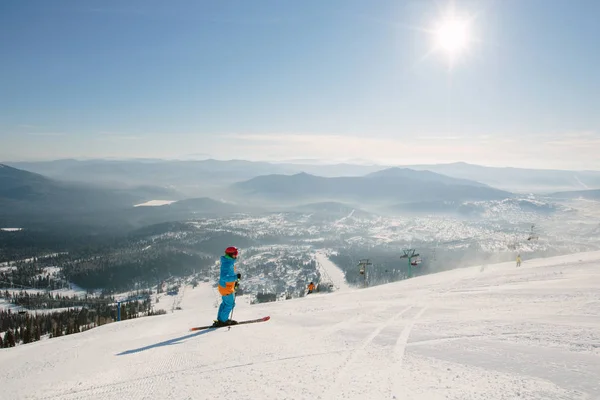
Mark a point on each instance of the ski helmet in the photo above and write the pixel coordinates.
(231, 251)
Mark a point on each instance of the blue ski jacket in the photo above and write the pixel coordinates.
(228, 276)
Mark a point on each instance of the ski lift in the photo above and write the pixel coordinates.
(532, 235)
(416, 260)
(362, 270)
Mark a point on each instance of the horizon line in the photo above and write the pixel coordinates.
(299, 161)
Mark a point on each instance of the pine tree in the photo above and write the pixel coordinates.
(56, 328)
(27, 330)
(26, 335)
(1, 342)
(82, 317)
(17, 335)
(9, 339)
(31, 330)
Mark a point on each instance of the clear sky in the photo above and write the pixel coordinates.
(279, 80)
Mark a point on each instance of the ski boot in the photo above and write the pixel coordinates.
(218, 324)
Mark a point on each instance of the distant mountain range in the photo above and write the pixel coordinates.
(35, 197)
(74, 189)
(210, 177)
(194, 178)
(519, 179)
(31, 199)
(28, 194)
(422, 176)
(392, 185)
(27, 189)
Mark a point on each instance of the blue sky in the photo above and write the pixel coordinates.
(278, 80)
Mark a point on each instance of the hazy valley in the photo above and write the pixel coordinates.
(107, 239)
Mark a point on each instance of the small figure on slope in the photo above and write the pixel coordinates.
(228, 282)
(518, 260)
(311, 288)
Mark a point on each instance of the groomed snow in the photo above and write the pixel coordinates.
(500, 333)
(332, 271)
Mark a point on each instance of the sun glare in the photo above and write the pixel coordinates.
(452, 36)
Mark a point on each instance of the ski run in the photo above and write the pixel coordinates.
(496, 333)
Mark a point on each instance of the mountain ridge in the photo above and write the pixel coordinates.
(410, 186)
(202, 177)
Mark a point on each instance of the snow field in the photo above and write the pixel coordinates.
(156, 203)
(332, 271)
(503, 333)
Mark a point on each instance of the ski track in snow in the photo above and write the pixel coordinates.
(530, 333)
(399, 351)
(352, 358)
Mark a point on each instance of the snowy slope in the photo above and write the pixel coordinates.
(331, 271)
(498, 333)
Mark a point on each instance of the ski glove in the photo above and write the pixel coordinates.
(239, 276)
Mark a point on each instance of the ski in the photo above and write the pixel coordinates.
(250, 321)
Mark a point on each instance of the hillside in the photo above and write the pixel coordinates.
(473, 333)
(422, 176)
(519, 179)
(482, 209)
(386, 186)
(185, 208)
(578, 194)
(331, 209)
(27, 197)
(26, 192)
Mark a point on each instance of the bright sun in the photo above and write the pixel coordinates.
(452, 36)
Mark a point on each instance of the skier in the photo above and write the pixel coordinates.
(518, 260)
(311, 287)
(228, 282)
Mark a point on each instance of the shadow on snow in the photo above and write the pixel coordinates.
(166, 342)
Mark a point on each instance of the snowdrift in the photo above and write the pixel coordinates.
(496, 333)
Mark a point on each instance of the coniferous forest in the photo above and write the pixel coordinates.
(36, 265)
(30, 327)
